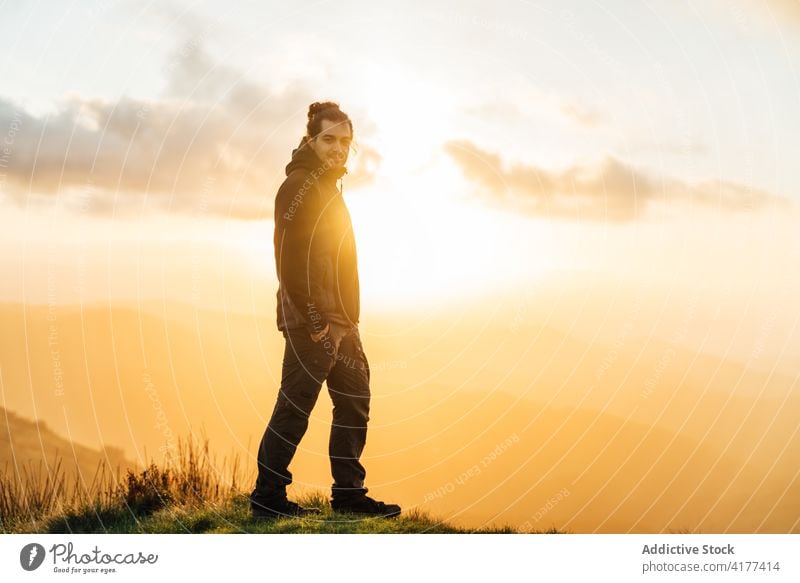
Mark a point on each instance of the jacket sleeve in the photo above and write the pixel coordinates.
(295, 220)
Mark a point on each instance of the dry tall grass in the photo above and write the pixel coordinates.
(188, 475)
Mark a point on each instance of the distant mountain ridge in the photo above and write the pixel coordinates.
(29, 444)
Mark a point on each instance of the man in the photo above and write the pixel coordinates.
(318, 314)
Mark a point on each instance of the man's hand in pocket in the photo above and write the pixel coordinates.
(317, 336)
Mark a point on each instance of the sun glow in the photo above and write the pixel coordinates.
(417, 249)
(419, 238)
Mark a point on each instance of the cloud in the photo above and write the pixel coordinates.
(211, 126)
(585, 117)
(761, 15)
(789, 10)
(503, 109)
(608, 191)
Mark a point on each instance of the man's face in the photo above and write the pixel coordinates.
(332, 145)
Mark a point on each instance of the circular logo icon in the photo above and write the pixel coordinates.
(31, 556)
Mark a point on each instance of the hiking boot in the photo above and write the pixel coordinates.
(280, 508)
(366, 506)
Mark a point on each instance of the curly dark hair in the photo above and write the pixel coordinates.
(320, 110)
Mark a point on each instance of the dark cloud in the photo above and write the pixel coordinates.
(212, 125)
(611, 190)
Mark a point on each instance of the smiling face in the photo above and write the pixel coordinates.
(332, 144)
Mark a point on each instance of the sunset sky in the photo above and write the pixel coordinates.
(500, 150)
(505, 140)
(494, 146)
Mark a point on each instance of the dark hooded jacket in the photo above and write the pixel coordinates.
(315, 250)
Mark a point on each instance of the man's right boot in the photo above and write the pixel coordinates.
(280, 508)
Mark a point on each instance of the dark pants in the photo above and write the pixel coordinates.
(340, 359)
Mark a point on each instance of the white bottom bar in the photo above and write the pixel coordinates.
(316, 557)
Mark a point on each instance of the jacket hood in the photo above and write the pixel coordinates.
(304, 157)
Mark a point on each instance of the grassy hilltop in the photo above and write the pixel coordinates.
(189, 493)
(233, 516)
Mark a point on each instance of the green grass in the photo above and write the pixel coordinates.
(232, 515)
(188, 493)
